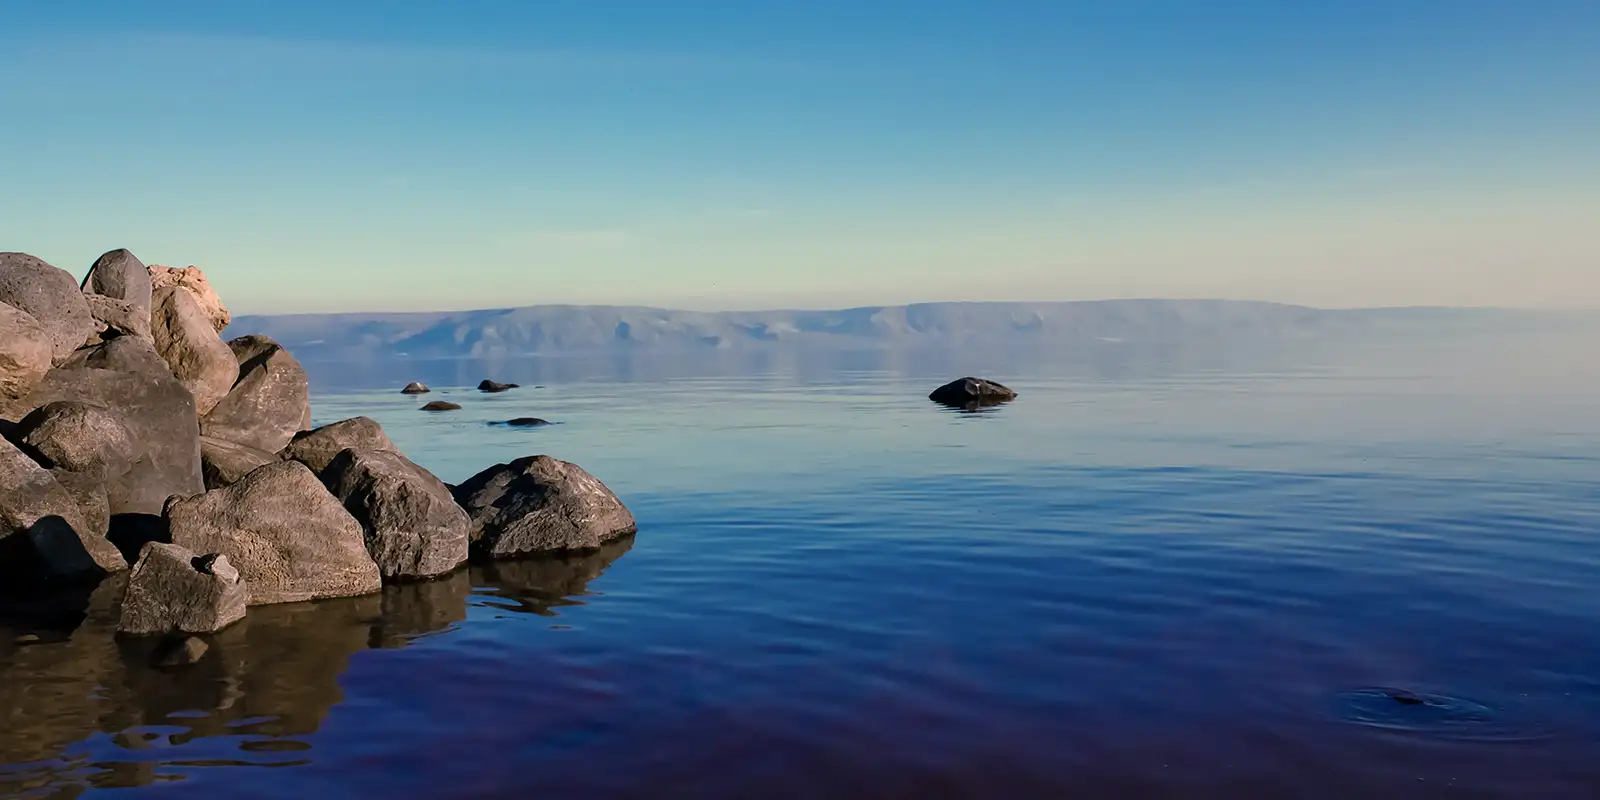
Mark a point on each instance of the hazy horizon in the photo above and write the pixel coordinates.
(422, 157)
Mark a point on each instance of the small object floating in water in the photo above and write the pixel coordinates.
(494, 386)
(525, 422)
(441, 405)
(1435, 715)
(415, 388)
(970, 392)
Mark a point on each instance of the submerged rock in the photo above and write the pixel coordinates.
(972, 391)
(119, 275)
(186, 341)
(525, 422)
(26, 353)
(414, 529)
(51, 296)
(288, 537)
(317, 448)
(194, 280)
(178, 651)
(493, 386)
(172, 589)
(540, 504)
(270, 402)
(224, 463)
(42, 531)
(415, 388)
(441, 405)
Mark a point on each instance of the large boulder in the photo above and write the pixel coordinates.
(186, 341)
(42, 532)
(51, 296)
(121, 276)
(172, 589)
(126, 376)
(224, 463)
(971, 391)
(90, 495)
(316, 448)
(192, 279)
(26, 353)
(80, 437)
(283, 531)
(413, 526)
(113, 317)
(540, 504)
(269, 404)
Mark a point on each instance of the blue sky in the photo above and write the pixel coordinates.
(316, 156)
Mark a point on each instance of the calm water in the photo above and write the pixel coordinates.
(1151, 576)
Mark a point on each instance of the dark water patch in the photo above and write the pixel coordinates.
(1436, 715)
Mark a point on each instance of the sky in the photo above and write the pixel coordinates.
(372, 156)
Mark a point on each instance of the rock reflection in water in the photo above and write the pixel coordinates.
(82, 708)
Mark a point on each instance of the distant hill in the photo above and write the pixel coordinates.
(543, 330)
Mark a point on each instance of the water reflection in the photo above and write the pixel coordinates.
(86, 709)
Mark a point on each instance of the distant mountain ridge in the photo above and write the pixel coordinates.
(565, 329)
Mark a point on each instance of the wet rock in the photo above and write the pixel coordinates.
(26, 353)
(127, 377)
(198, 357)
(194, 280)
(492, 386)
(173, 589)
(113, 318)
(415, 388)
(317, 448)
(540, 504)
(441, 405)
(269, 403)
(119, 275)
(414, 529)
(51, 296)
(288, 537)
(42, 531)
(178, 651)
(972, 391)
(224, 463)
(525, 422)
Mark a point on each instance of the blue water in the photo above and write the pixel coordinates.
(1346, 577)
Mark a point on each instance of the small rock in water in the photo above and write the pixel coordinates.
(415, 388)
(493, 386)
(441, 405)
(540, 504)
(972, 391)
(1406, 698)
(178, 652)
(525, 422)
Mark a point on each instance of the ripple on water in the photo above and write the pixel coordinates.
(1436, 715)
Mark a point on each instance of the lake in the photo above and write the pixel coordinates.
(1155, 574)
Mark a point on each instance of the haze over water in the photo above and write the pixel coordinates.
(1306, 575)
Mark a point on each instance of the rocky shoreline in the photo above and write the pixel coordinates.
(131, 434)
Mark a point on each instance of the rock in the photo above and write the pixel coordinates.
(51, 296)
(186, 341)
(413, 526)
(540, 504)
(268, 405)
(971, 391)
(316, 449)
(288, 537)
(194, 280)
(172, 589)
(26, 353)
(115, 317)
(80, 437)
(42, 532)
(121, 276)
(224, 463)
(89, 494)
(491, 386)
(441, 405)
(126, 376)
(178, 651)
(525, 422)
(415, 388)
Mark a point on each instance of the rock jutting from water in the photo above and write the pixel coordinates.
(495, 386)
(415, 388)
(966, 392)
(125, 417)
(526, 422)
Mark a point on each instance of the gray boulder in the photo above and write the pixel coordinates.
(51, 296)
(121, 276)
(415, 388)
(89, 494)
(190, 346)
(26, 353)
(317, 448)
(442, 405)
(269, 404)
(126, 375)
(288, 537)
(413, 526)
(972, 391)
(224, 463)
(172, 590)
(42, 532)
(113, 317)
(540, 504)
(80, 437)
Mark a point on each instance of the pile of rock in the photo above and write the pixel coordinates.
(133, 432)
